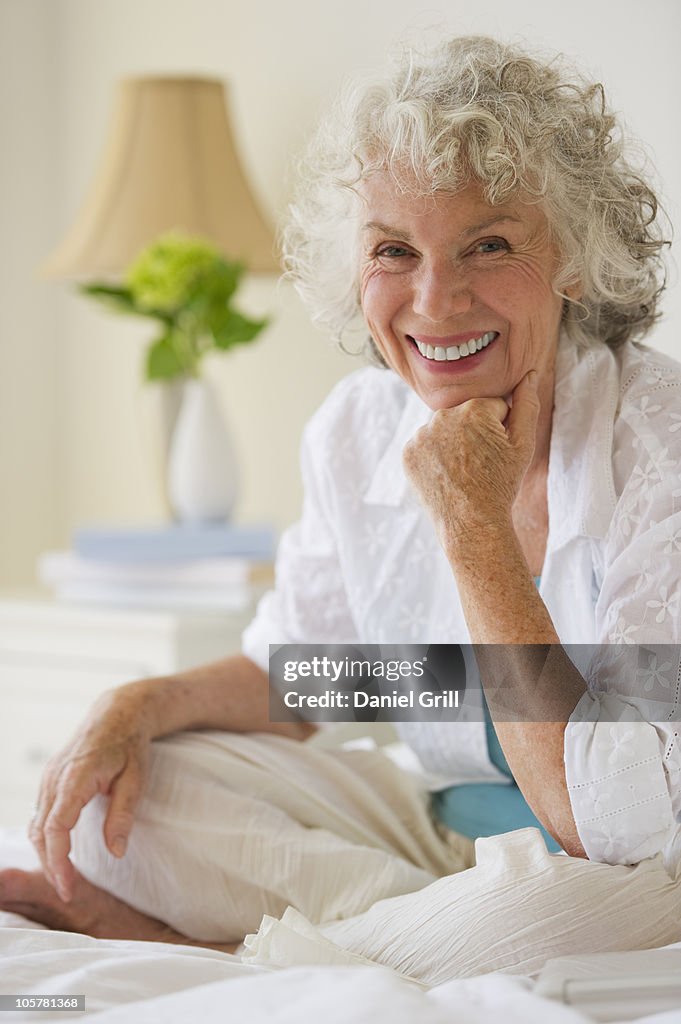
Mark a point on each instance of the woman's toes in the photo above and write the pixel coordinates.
(30, 894)
(91, 910)
(23, 886)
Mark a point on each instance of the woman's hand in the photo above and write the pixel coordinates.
(467, 464)
(109, 754)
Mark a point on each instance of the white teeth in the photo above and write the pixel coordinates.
(439, 354)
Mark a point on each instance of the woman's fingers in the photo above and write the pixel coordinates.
(51, 834)
(124, 797)
(36, 828)
(495, 408)
(75, 789)
(521, 424)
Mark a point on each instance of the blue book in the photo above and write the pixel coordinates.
(175, 543)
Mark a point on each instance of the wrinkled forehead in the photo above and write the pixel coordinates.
(384, 201)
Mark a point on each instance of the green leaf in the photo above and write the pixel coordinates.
(122, 300)
(232, 328)
(118, 298)
(212, 290)
(163, 359)
(221, 282)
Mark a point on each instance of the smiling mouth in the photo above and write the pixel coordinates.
(450, 353)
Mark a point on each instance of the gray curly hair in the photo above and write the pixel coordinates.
(475, 109)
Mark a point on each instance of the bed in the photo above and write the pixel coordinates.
(144, 982)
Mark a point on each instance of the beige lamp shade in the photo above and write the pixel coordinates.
(170, 164)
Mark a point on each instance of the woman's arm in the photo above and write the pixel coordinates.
(232, 694)
(530, 684)
(468, 465)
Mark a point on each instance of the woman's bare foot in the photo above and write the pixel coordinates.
(91, 911)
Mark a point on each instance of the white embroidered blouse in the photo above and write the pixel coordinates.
(364, 565)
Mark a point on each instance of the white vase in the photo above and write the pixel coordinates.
(202, 467)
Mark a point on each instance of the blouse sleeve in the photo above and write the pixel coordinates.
(622, 749)
(309, 602)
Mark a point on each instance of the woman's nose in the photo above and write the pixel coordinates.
(441, 293)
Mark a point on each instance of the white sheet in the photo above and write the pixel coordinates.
(152, 982)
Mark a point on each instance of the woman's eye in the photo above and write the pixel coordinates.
(491, 245)
(392, 251)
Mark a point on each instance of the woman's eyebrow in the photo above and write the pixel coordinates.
(483, 225)
(386, 229)
(405, 236)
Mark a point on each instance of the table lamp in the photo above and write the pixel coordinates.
(171, 164)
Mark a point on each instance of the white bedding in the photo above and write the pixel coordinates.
(145, 982)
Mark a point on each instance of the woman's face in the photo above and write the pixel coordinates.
(439, 273)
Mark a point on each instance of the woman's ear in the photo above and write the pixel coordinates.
(573, 290)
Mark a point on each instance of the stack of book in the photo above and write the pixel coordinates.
(218, 567)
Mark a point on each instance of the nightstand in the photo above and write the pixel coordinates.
(55, 660)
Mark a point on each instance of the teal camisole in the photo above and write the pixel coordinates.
(488, 808)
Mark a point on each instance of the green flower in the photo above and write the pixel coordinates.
(164, 275)
(187, 286)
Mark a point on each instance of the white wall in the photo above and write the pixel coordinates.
(284, 60)
(28, 339)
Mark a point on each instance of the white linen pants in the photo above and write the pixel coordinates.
(235, 828)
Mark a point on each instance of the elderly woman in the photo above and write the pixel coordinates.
(508, 473)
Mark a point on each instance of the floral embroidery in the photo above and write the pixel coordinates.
(623, 633)
(667, 605)
(608, 838)
(600, 799)
(375, 537)
(645, 577)
(617, 742)
(644, 409)
(661, 462)
(673, 539)
(420, 555)
(653, 673)
(625, 522)
(412, 619)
